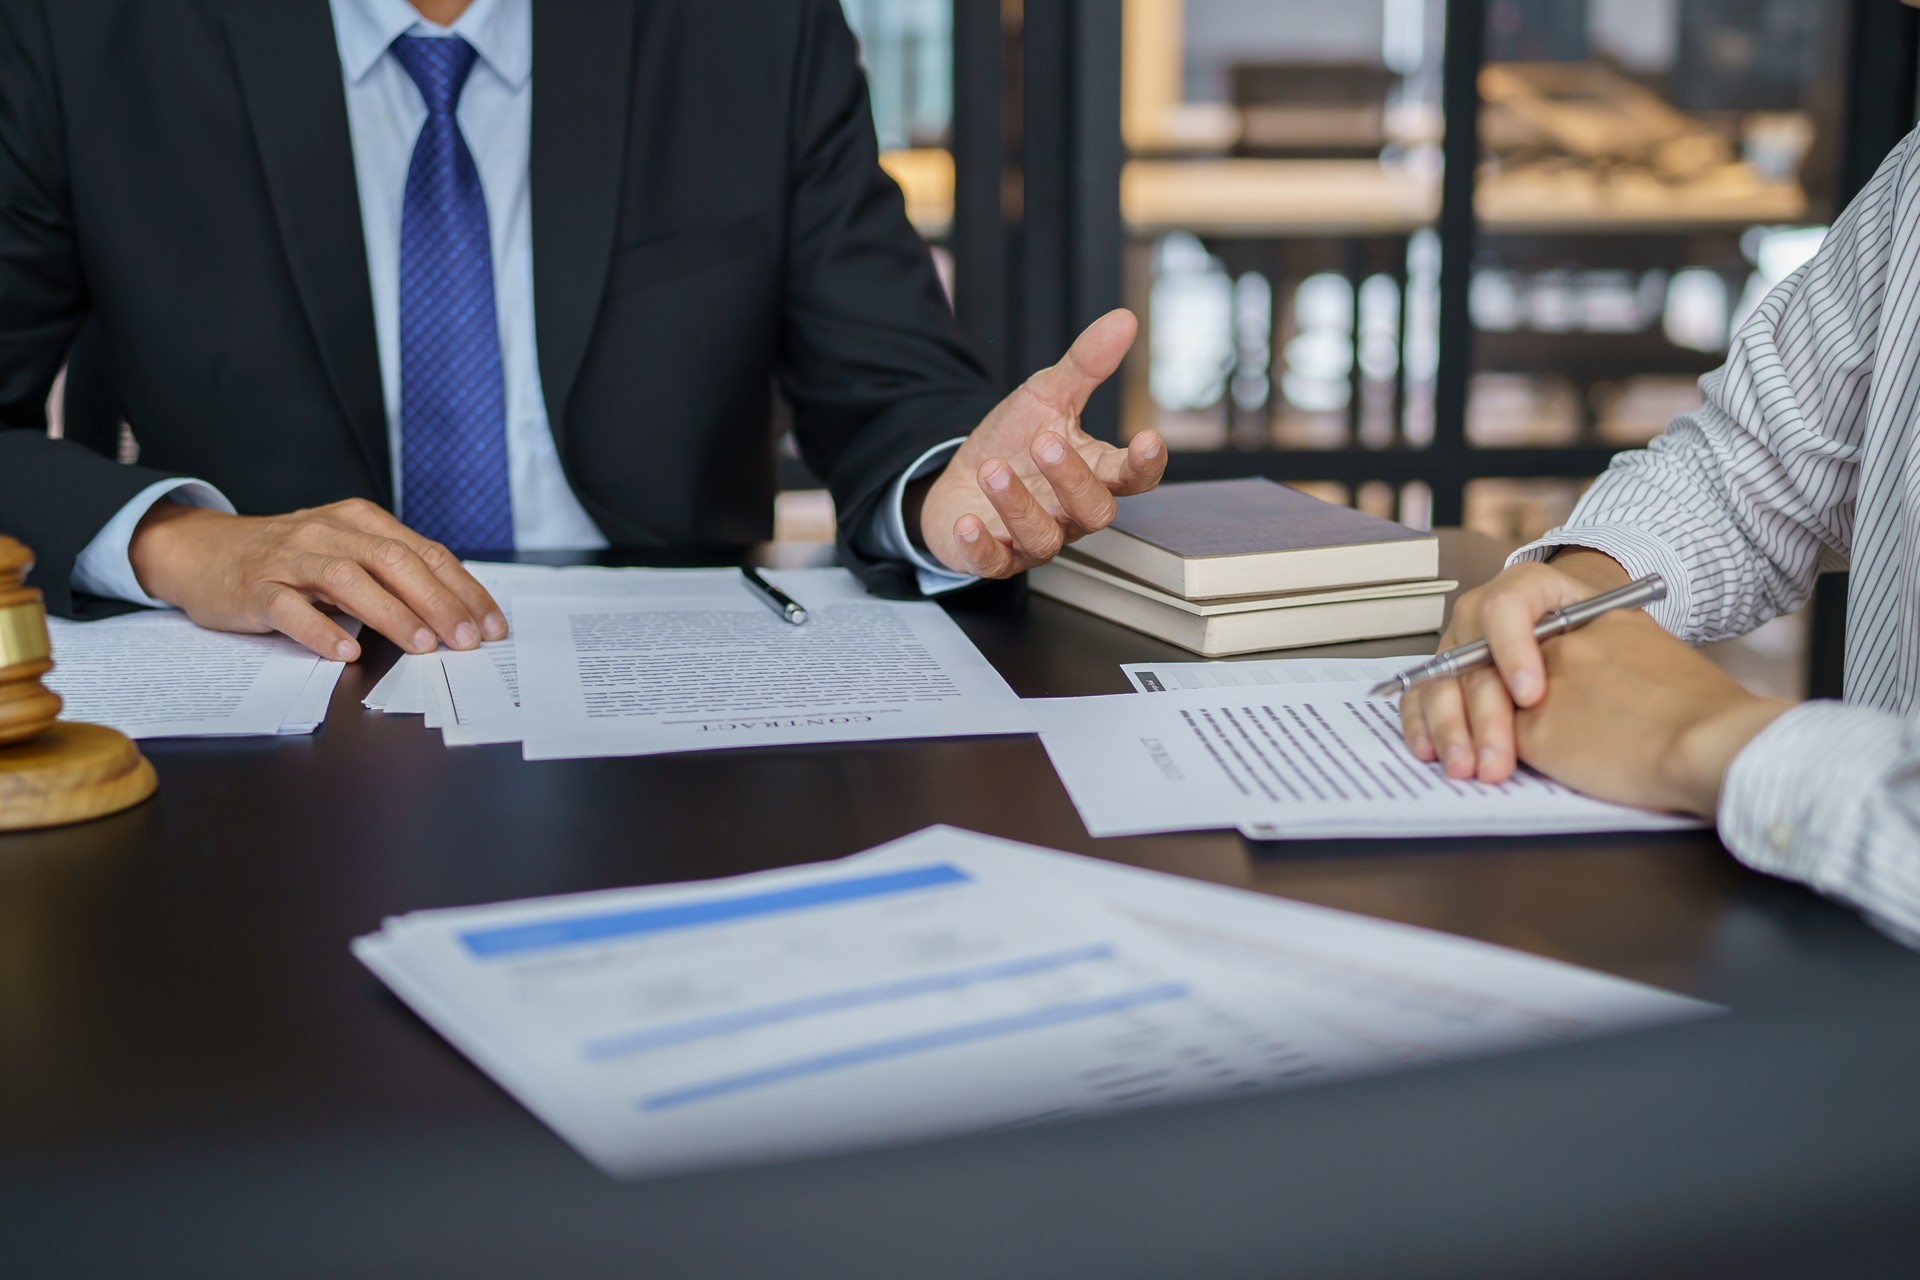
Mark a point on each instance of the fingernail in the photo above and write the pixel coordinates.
(423, 640)
(1459, 761)
(1422, 746)
(1052, 449)
(1151, 449)
(495, 627)
(1488, 758)
(999, 479)
(1525, 685)
(344, 650)
(465, 637)
(970, 533)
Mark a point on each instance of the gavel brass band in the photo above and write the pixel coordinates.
(23, 635)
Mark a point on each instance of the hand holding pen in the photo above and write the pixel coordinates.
(1469, 725)
(1454, 663)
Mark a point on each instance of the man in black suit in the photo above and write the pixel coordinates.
(306, 247)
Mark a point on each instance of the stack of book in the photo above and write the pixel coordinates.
(1235, 566)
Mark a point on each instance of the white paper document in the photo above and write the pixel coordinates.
(1286, 763)
(403, 690)
(652, 673)
(945, 983)
(475, 695)
(1165, 677)
(158, 675)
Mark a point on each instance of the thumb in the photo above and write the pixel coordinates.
(1090, 361)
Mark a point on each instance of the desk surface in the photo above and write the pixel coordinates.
(190, 1057)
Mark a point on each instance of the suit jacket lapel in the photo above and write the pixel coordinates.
(289, 69)
(582, 106)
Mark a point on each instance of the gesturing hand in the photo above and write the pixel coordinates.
(1029, 480)
(258, 574)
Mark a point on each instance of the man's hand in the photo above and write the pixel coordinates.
(1633, 715)
(1029, 480)
(1467, 724)
(239, 573)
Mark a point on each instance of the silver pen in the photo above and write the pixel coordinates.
(774, 598)
(1445, 666)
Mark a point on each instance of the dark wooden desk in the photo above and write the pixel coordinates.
(197, 1079)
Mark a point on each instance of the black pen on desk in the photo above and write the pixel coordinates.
(1637, 594)
(776, 599)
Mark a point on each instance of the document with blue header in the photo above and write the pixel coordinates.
(945, 983)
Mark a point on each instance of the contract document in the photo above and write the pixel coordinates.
(945, 983)
(699, 671)
(157, 674)
(1288, 762)
(1165, 677)
(474, 696)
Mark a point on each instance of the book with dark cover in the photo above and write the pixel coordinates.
(1247, 537)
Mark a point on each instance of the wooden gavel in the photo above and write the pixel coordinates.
(52, 772)
(26, 705)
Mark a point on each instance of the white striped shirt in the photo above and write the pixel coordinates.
(1804, 456)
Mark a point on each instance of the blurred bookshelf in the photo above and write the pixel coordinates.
(1641, 172)
(1636, 175)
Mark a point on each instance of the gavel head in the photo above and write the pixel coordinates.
(27, 707)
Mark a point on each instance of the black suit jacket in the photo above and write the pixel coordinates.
(709, 217)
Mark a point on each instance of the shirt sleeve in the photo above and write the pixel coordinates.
(1743, 503)
(888, 533)
(105, 566)
(1829, 795)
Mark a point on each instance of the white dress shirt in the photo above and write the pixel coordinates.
(1805, 455)
(385, 114)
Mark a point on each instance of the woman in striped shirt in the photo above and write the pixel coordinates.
(1805, 456)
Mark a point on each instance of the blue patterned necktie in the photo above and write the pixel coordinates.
(453, 418)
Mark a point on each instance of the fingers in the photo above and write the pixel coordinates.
(1034, 531)
(1413, 726)
(982, 554)
(1445, 712)
(1489, 724)
(1138, 467)
(1085, 503)
(289, 612)
(1507, 619)
(346, 585)
(1090, 361)
(406, 577)
(474, 604)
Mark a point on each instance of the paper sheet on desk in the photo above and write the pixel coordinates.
(473, 697)
(1285, 763)
(1165, 677)
(944, 983)
(477, 693)
(156, 674)
(656, 673)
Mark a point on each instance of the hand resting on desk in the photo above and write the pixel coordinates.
(259, 574)
(1619, 709)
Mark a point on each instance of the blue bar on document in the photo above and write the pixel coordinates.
(507, 940)
(923, 1042)
(831, 1002)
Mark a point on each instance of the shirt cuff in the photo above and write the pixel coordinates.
(889, 529)
(1638, 553)
(105, 567)
(1794, 797)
